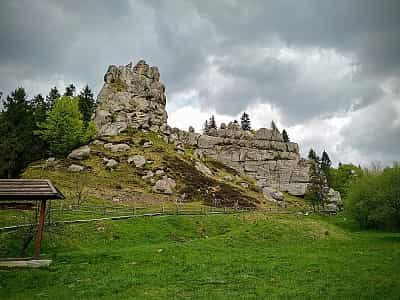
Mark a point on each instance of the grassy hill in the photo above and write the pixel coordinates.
(244, 256)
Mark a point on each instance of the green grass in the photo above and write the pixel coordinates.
(246, 256)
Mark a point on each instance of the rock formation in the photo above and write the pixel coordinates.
(131, 97)
(262, 155)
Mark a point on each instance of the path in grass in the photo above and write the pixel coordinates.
(248, 256)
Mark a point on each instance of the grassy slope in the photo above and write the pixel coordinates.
(248, 256)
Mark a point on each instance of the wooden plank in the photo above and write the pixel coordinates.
(18, 206)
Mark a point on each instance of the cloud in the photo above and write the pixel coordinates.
(325, 70)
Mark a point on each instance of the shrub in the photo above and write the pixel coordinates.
(374, 199)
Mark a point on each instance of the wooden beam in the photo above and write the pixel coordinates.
(39, 236)
(16, 205)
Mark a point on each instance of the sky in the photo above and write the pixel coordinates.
(327, 71)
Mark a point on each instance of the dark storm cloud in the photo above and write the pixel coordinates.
(226, 50)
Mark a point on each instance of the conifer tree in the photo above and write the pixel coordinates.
(285, 136)
(205, 127)
(70, 90)
(273, 126)
(18, 145)
(39, 108)
(325, 161)
(51, 97)
(212, 124)
(245, 121)
(86, 104)
(312, 155)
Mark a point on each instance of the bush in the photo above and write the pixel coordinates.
(374, 199)
(340, 179)
(64, 128)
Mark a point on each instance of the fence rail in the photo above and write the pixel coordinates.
(127, 213)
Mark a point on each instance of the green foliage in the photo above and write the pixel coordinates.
(314, 193)
(313, 156)
(285, 136)
(64, 128)
(52, 97)
(374, 199)
(70, 90)
(245, 121)
(341, 178)
(86, 104)
(18, 144)
(118, 86)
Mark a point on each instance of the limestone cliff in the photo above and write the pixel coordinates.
(132, 96)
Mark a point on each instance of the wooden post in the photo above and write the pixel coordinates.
(39, 236)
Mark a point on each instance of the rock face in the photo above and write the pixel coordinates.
(262, 155)
(132, 96)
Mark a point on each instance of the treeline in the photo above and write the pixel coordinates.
(371, 195)
(32, 129)
(245, 124)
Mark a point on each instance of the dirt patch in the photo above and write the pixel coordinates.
(196, 186)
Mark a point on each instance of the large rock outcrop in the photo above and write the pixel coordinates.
(131, 97)
(262, 155)
(134, 97)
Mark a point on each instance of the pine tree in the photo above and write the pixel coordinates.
(86, 104)
(212, 124)
(39, 108)
(205, 127)
(285, 136)
(51, 97)
(273, 126)
(325, 161)
(18, 145)
(70, 90)
(245, 121)
(312, 155)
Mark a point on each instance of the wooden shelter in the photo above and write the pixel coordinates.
(22, 193)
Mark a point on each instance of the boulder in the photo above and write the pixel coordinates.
(147, 144)
(80, 153)
(120, 148)
(164, 186)
(51, 162)
(111, 164)
(272, 194)
(75, 168)
(138, 160)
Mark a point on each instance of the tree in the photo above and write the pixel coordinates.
(64, 128)
(315, 189)
(273, 126)
(312, 155)
(39, 108)
(51, 97)
(191, 129)
(205, 127)
(285, 136)
(245, 121)
(373, 199)
(86, 104)
(325, 160)
(212, 124)
(70, 90)
(18, 144)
